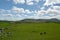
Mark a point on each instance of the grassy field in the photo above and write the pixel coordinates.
(31, 31)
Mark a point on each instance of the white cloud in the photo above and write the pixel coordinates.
(56, 8)
(18, 15)
(37, 0)
(30, 2)
(2, 10)
(21, 10)
(42, 8)
(40, 12)
(53, 12)
(18, 10)
(51, 2)
(28, 11)
(7, 15)
(19, 1)
(58, 17)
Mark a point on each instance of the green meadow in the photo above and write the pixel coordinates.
(30, 31)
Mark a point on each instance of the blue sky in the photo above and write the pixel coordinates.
(37, 9)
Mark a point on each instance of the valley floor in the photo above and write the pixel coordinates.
(31, 31)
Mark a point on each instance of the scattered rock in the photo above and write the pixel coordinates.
(3, 33)
(44, 32)
(0, 29)
(41, 33)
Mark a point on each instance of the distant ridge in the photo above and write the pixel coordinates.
(41, 20)
(34, 20)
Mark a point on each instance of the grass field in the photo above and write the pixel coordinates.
(31, 31)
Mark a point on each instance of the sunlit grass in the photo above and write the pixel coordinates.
(31, 31)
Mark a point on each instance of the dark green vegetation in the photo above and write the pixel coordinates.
(30, 31)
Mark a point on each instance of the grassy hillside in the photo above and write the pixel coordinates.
(30, 31)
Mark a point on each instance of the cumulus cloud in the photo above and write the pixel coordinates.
(40, 12)
(19, 1)
(31, 2)
(17, 10)
(28, 11)
(15, 13)
(7, 15)
(52, 12)
(51, 2)
(21, 10)
(56, 8)
(28, 2)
